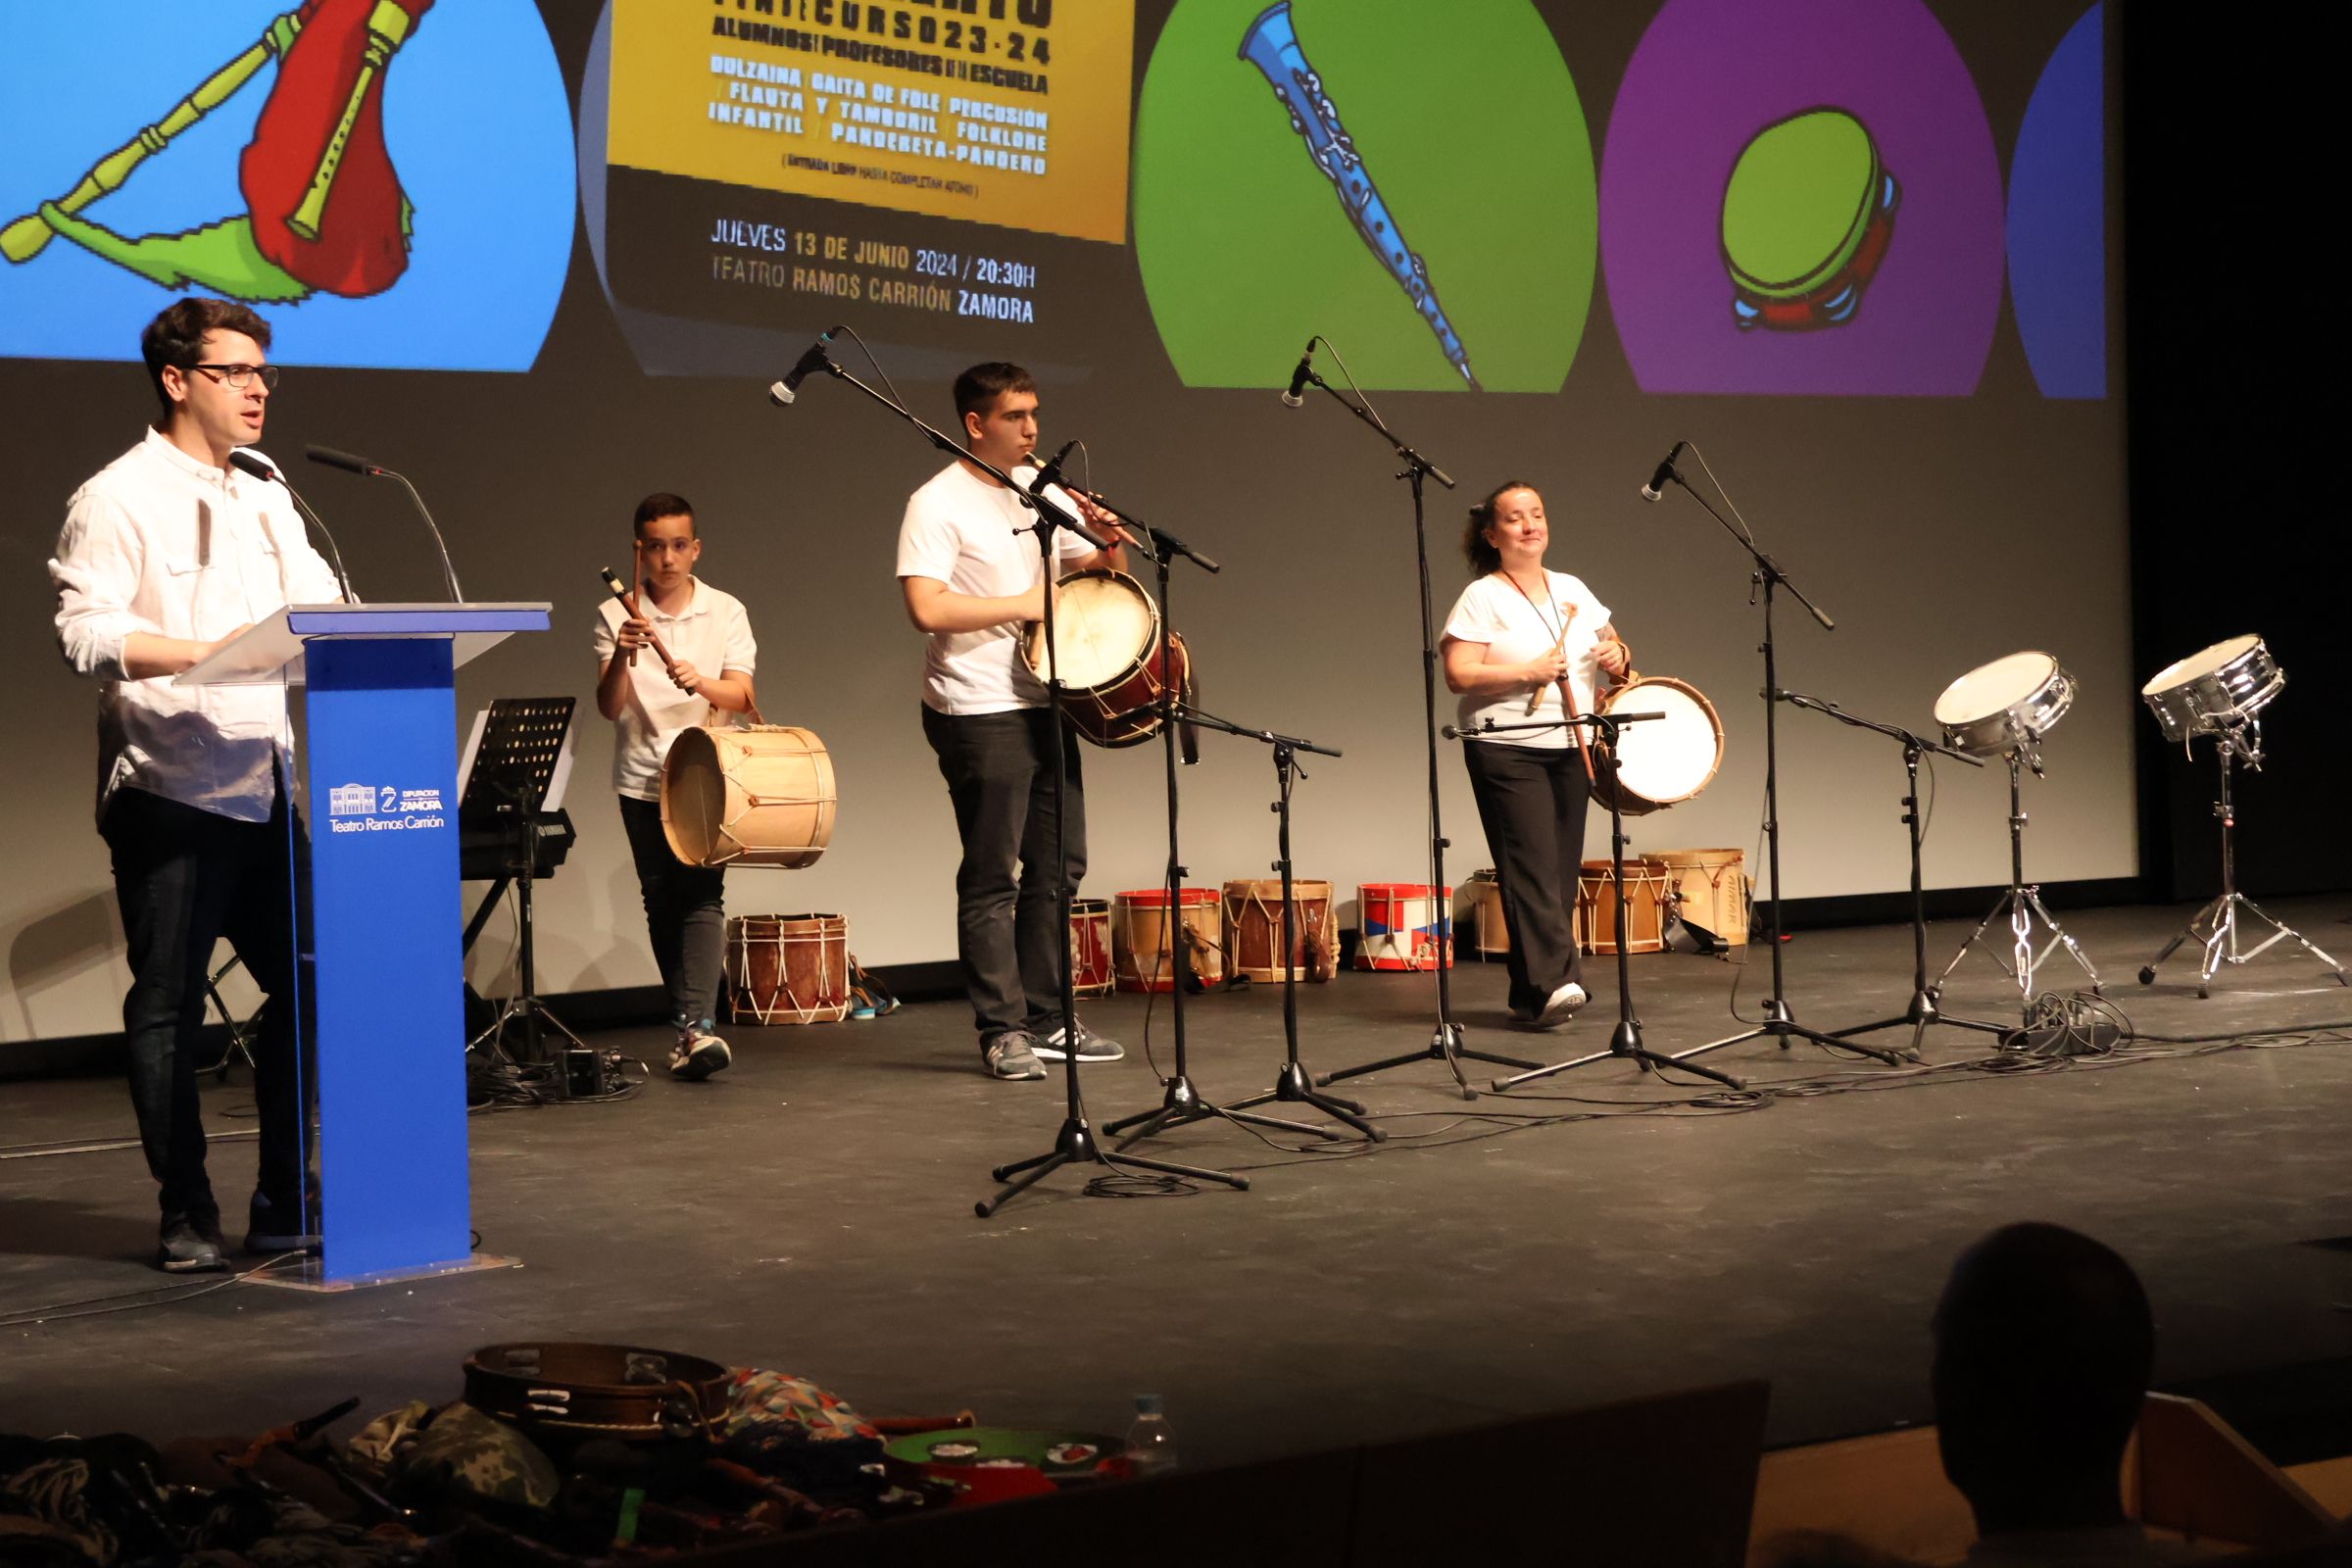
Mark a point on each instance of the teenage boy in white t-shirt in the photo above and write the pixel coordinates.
(972, 578)
(712, 654)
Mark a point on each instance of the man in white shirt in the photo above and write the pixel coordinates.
(711, 659)
(972, 578)
(166, 555)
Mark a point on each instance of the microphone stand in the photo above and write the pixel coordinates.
(1446, 1042)
(1625, 1041)
(1075, 1142)
(1780, 1021)
(1923, 1010)
(1181, 1102)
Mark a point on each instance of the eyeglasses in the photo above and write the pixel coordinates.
(240, 377)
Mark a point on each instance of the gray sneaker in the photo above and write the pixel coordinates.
(1562, 1007)
(698, 1055)
(1092, 1047)
(1012, 1054)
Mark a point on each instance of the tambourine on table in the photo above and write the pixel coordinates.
(1625, 1041)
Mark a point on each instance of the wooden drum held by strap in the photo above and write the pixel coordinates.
(757, 796)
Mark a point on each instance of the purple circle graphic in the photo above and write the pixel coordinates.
(1708, 76)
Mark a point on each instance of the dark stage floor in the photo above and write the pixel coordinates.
(812, 1209)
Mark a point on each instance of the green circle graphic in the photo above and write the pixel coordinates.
(1469, 126)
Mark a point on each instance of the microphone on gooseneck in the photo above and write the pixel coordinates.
(1657, 481)
(350, 464)
(246, 461)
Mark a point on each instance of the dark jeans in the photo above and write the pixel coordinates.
(185, 878)
(1532, 803)
(685, 914)
(1009, 930)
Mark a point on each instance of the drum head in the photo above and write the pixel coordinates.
(1994, 688)
(694, 796)
(1102, 626)
(1671, 758)
(2202, 662)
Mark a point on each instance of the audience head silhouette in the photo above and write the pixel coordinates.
(2043, 1347)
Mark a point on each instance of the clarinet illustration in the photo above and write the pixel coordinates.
(1272, 45)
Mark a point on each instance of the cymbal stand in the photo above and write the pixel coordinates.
(2215, 926)
(2022, 904)
(1446, 1042)
(1625, 1041)
(1922, 1011)
(1780, 1020)
(1074, 1142)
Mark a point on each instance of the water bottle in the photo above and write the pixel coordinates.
(1150, 1440)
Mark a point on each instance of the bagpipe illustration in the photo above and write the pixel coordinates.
(1272, 45)
(324, 209)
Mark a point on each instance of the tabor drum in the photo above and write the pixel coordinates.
(1406, 925)
(2005, 706)
(2223, 685)
(1091, 971)
(1253, 930)
(1138, 939)
(1711, 888)
(1660, 760)
(1112, 661)
(789, 968)
(1645, 906)
(757, 796)
(1489, 931)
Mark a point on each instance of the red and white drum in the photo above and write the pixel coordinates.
(1091, 971)
(788, 968)
(1138, 939)
(1406, 925)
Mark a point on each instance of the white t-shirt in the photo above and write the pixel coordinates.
(712, 634)
(1497, 614)
(958, 529)
(160, 542)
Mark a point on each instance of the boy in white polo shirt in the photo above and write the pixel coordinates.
(709, 638)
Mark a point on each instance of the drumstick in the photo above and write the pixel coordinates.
(1535, 699)
(636, 572)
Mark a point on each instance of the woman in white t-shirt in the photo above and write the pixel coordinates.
(1518, 640)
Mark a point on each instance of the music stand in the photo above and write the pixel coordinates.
(521, 748)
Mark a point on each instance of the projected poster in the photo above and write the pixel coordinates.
(942, 174)
(386, 179)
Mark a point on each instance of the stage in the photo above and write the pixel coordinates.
(812, 1209)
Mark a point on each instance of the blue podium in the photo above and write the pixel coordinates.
(380, 763)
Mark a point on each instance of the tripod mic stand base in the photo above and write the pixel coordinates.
(1919, 1018)
(1291, 1087)
(1182, 1105)
(1779, 1025)
(1625, 1045)
(1439, 1048)
(1075, 1144)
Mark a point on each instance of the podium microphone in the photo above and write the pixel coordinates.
(1301, 375)
(246, 461)
(1657, 481)
(783, 393)
(370, 470)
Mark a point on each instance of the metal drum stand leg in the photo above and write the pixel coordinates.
(2215, 926)
(2022, 904)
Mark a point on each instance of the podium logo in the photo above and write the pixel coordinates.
(357, 799)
